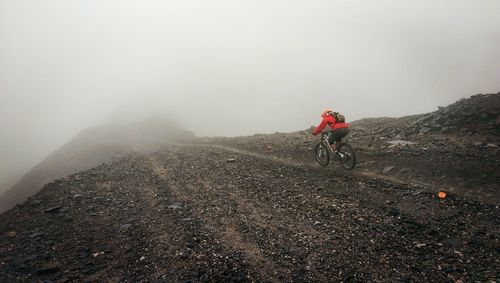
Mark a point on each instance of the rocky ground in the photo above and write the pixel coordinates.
(456, 148)
(258, 209)
(464, 165)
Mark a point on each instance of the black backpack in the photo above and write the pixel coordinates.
(338, 117)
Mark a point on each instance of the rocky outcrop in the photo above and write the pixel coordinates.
(479, 114)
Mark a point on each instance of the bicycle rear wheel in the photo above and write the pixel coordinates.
(322, 154)
(347, 156)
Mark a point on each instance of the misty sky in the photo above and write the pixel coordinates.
(232, 67)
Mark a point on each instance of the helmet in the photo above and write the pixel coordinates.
(326, 112)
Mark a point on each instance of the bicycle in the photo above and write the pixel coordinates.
(344, 153)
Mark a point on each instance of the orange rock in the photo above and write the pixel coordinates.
(442, 195)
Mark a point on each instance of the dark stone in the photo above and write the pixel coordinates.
(453, 242)
(49, 267)
(7, 259)
(53, 209)
(23, 260)
(36, 235)
(393, 211)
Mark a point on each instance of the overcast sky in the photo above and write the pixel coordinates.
(233, 67)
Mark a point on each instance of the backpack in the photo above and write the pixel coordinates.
(338, 117)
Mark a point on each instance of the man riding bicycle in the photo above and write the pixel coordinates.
(339, 129)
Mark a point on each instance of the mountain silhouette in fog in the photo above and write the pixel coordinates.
(92, 147)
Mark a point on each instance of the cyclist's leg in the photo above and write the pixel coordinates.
(337, 135)
(340, 133)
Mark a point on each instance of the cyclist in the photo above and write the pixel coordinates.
(337, 131)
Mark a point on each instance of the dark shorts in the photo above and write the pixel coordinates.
(337, 134)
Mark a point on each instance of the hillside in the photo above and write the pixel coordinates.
(92, 147)
(259, 209)
(462, 156)
(478, 115)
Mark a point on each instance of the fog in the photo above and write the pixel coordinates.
(226, 68)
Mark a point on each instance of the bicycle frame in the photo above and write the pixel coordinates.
(324, 137)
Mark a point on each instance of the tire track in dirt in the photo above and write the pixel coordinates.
(365, 174)
(432, 187)
(393, 185)
(225, 228)
(351, 211)
(248, 216)
(252, 215)
(255, 211)
(147, 240)
(310, 239)
(162, 235)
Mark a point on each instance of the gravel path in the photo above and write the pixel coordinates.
(213, 213)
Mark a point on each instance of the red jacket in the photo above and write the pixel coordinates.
(330, 121)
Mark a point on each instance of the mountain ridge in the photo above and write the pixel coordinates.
(91, 147)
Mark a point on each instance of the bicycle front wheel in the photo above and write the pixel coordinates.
(322, 154)
(347, 156)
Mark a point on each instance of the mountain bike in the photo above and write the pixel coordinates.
(344, 154)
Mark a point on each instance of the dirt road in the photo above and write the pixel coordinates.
(212, 213)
